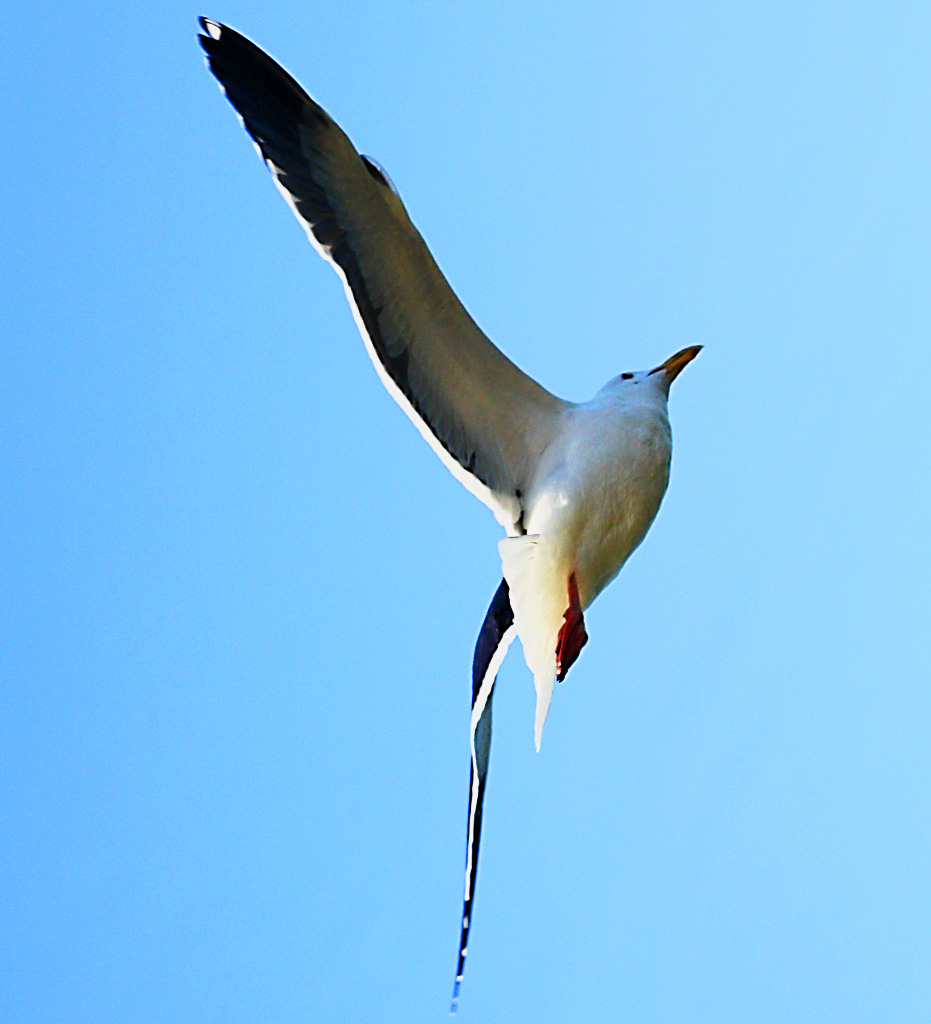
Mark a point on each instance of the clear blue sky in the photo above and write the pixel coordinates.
(239, 594)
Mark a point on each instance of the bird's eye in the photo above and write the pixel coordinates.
(627, 376)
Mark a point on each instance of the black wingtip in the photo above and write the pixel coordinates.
(251, 78)
(212, 30)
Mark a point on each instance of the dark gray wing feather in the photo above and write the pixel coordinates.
(493, 641)
(487, 420)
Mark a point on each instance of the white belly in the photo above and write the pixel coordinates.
(596, 493)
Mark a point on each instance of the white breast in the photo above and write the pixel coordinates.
(600, 487)
(596, 492)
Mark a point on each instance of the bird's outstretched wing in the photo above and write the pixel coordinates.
(494, 638)
(486, 419)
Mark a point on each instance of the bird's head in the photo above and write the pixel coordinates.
(660, 377)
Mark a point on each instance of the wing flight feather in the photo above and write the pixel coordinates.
(487, 420)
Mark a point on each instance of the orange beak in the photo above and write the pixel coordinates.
(674, 365)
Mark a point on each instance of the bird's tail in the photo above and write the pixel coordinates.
(538, 597)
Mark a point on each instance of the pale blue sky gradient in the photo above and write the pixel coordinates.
(239, 593)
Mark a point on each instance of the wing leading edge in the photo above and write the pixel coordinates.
(494, 638)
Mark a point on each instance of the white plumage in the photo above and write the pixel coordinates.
(594, 495)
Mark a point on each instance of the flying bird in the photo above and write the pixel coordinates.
(575, 486)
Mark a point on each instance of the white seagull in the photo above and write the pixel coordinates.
(575, 487)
